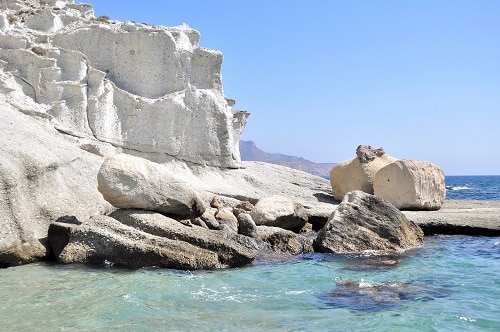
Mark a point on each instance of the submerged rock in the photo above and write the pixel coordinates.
(365, 222)
(364, 296)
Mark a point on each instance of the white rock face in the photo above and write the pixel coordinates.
(151, 91)
(411, 185)
(357, 173)
(130, 182)
(43, 176)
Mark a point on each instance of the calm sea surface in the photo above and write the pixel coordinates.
(452, 284)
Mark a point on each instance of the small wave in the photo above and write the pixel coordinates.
(458, 188)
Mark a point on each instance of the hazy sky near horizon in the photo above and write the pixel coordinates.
(419, 78)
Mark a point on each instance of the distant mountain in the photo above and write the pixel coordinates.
(250, 152)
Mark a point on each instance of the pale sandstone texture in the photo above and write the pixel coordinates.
(364, 222)
(411, 185)
(358, 173)
(149, 90)
(130, 182)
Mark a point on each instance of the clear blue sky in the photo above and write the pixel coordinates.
(419, 78)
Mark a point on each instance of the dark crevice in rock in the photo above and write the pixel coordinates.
(448, 229)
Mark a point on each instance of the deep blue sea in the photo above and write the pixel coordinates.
(451, 284)
(484, 187)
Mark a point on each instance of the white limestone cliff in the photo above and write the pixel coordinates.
(147, 90)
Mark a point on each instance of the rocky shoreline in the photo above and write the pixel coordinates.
(111, 154)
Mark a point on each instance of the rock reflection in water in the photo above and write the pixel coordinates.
(363, 296)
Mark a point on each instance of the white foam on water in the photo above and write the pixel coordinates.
(467, 319)
(458, 188)
(365, 284)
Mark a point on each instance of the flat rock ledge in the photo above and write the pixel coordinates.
(460, 217)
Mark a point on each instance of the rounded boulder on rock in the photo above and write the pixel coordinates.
(129, 182)
(279, 211)
(357, 173)
(411, 185)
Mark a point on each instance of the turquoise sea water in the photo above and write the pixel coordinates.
(451, 284)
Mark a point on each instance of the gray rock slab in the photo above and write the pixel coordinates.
(230, 252)
(105, 240)
(467, 217)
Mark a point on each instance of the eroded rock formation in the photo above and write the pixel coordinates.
(151, 91)
(357, 173)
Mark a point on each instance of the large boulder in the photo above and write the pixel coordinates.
(105, 240)
(278, 211)
(130, 182)
(411, 185)
(357, 173)
(365, 222)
